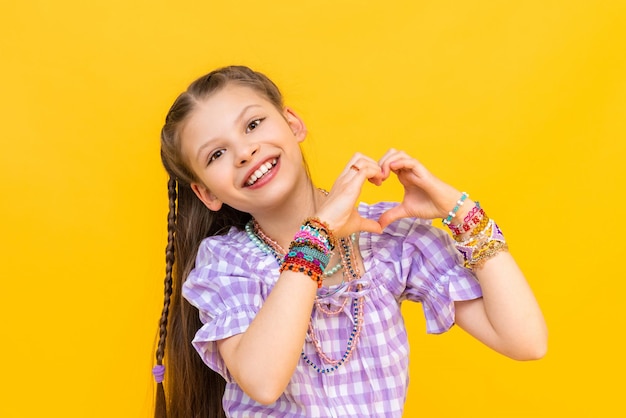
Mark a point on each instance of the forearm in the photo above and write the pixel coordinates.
(518, 327)
(508, 318)
(263, 359)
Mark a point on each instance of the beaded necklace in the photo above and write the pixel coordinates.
(269, 246)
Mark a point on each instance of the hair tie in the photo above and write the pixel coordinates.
(158, 372)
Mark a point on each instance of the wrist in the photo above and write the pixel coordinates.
(463, 211)
(482, 244)
(310, 250)
(452, 214)
(466, 220)
(321, 230)
(478, 238)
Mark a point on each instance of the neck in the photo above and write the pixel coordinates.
(282, 223)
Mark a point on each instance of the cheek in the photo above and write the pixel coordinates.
(219, 175)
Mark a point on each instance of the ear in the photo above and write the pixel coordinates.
(209, 199)
(296, 124)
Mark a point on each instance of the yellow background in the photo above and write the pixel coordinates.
(522, 104)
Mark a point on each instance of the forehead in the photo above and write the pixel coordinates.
(232, 96)
(219, 112)
(224, 105)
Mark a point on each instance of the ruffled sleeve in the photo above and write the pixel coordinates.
(228, 290)
(419, 262)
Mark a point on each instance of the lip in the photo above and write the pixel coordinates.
(266, 178)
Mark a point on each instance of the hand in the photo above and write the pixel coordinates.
(425, 196)
(339, 210)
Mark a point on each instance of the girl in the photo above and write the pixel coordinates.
(290, 294)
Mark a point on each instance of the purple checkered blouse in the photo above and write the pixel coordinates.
(410, 260)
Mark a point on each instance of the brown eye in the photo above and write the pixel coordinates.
(217, 154)
(253, 125)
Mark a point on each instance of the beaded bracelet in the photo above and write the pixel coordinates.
(486, 252)
(310, 237)
(456, 208)
(309, 252)
(484, 243)
(323, 228)
(299, 264)
(471, 220)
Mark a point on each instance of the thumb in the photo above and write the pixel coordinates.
(370, 225)
(391, 215)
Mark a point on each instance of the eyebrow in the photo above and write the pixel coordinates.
(237, 121)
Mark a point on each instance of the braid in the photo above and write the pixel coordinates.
(161, 407)
(193, 389)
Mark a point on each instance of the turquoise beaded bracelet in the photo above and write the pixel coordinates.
(453, 212)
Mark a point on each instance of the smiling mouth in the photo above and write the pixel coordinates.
(261, 171)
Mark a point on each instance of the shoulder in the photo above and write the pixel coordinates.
(229, 263)
(232, 253)
(234, 246)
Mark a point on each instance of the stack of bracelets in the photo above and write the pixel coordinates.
(478, 238)
(310, 250)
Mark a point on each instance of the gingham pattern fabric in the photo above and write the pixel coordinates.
(411, 260)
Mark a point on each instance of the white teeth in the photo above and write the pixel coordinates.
(260, 172)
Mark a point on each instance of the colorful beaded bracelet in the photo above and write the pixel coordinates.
(301, 265)
(482, 245)
(456, 208)
(310, 240)
(323, 228)
(470, 221)
(309, 252)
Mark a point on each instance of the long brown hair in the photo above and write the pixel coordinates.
(191, 389)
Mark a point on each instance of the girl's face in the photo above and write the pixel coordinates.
(244, 151)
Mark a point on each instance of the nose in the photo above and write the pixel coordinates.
(246, 153)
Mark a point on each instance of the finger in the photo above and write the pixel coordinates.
(406, 161)
(404, 167)
(358, 162)
(396, 161)
(390, 152)
(370, 225)
(377, 178)
(403, 163)
(383, 161)
(391, 215)
(366, 168)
